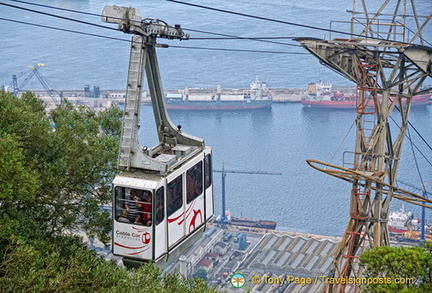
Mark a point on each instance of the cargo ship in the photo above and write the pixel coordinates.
(402, 221)
(257, 97)
(261, 224)
(320, 95)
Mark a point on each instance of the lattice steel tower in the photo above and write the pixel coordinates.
(389, 63)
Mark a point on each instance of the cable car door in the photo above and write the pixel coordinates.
(195, 206)
(175, 208)
(160, 221)
(208, 183)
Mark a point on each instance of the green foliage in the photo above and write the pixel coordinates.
(24, 118)
(63, 265)
(17, 181)
(402, 263)
(62, 174)
(22, 126)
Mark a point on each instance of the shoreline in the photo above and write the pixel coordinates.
(106, 98)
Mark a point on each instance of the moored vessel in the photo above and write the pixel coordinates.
(402, 222)
(258, 96)
(321, 95)
(239, 221)
(262, 224)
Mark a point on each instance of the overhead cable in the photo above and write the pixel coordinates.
(99, 15)
(63, 29)
(413, 144)
(416, 161)
(265, 40)
(58, 8)
(58, 16)
(125, 40)
(241, 50)
(266, 18)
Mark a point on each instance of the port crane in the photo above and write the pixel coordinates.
(34, 71)
(224, 172)
(389, 62)
(163, 196)
(423, 209)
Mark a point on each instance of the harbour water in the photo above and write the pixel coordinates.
(279, 139)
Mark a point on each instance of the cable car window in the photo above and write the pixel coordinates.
(121, 214)
(133, 206)
(160, 207)
(146, 207)
(175, 195)
(207, 171)
(194, 179)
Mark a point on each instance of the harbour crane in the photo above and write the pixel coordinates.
(34, 71)
(389, 62)
(163, 196)
(224, 173)
(423, 209)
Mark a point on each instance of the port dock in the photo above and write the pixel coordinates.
(258, 253)
(106, 98)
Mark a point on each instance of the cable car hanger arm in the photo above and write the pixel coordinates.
(143, 57)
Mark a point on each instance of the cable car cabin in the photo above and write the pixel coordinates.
(163, 197)
(155, 215)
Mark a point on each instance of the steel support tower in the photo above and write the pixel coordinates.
(388, 69)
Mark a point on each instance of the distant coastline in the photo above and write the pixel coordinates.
(106, 98)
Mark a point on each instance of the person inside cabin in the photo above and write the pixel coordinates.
(174, 201)
(133, 205)
(174, 196)
(147, 208)
(123, 216)
(191, 187)
(138, 220)
(194, 182)
(159, 212)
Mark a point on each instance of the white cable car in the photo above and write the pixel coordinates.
(164, 195)
(154, 213)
